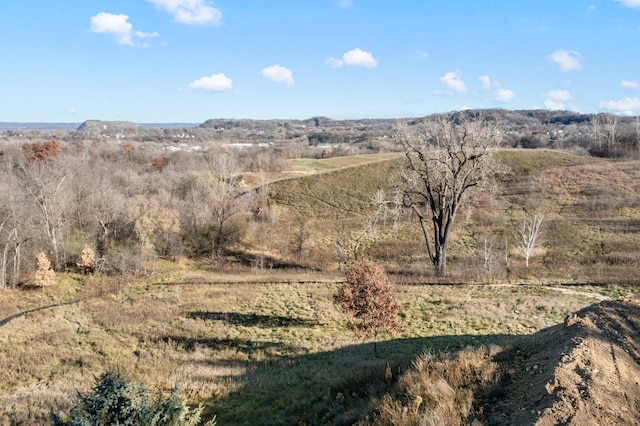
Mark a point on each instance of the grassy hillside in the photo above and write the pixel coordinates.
(272, 353)
(590, 208)
(264, 344)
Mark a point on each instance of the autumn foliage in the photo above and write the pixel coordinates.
(44, 276)
(368, 296)
(39, 151)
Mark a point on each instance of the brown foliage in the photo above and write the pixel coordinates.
(159, 163)
(368, 296)
(39, 151)
(87, 263)
(44, 276)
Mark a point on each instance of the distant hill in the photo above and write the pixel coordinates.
(17, 126)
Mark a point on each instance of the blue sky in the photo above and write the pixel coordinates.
(191, 60)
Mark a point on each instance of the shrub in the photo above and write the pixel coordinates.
(87, 263)
(115, 401)
(45, 276)
(368, 296)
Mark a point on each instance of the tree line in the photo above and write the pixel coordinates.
(125, 203)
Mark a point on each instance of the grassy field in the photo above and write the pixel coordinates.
(256, 338)
(253, 353)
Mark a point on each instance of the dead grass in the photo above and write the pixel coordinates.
(259, 342)
(440, 389)
(253, 353)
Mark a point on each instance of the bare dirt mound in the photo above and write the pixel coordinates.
(583, 372)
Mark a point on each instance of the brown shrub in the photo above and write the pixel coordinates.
(369, 297)
(39, 151)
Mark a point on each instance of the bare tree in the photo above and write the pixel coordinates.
(448, 156)
(529, 236)
(610, 127)
(223, 180)
(43, 181)
(369, 297)
(595, 124)
(637, 123)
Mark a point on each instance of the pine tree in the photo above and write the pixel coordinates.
(116, 401)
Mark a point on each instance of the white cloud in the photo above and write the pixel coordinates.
(501, 95)
(557, 99)
(354, 58)
(73, 110)
(551, 104)
(359, 58)
(630, 3)
(452, 79)
(213, 83)
(628, 84)
(568, 60)
(334, 63)
(422, 54)
(560, 95)
(626, 105)
(279, 74)
(505, 95)
(119, 26)
(193, 12)
(486, 82)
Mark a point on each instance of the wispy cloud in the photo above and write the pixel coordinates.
(557, 99)
(192, 12)
(626, 105)
(505, 95)
(118, 26)
(354, 58)
(213, 83)
(567, 60)
(453, 80)
(486, 82)
(500, 95)
(629, 84)
(345, 4)
(279, 74)
(630, 3)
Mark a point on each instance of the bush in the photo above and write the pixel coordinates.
(369, 297)
(115, 401)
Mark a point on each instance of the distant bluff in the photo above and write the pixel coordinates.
(107, 127)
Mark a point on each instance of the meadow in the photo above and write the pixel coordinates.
(252, 352)
(255, 336)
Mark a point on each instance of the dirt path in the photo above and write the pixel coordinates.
(41, 308)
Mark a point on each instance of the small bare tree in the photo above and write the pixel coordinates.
(368, 296)
(529, 236)
(448, 156)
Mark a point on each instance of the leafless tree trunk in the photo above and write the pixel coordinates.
(43, 183)
(448, 156)
(529, 236)
(224, 171)
(637, 122)
(610, 127)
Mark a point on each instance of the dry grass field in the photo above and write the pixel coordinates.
(256, 337)
(253, 353)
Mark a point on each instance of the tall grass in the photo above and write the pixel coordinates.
(253, 353)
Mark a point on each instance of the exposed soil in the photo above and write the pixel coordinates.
(583, 372)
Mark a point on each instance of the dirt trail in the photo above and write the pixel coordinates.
(583, 372)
